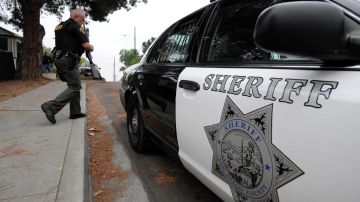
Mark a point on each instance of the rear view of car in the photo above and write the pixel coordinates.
(87, 71)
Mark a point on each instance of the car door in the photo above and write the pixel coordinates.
(264, 126)
(158, 76)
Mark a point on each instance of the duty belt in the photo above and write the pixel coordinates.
(60, 53)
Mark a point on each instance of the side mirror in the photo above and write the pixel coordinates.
(307, 29)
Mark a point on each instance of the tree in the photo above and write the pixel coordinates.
(25, 16)
(47, 50)
(83, 60)
(129, 57)
(122, 68)
(146, 44)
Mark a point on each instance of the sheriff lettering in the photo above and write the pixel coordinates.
(249, 86)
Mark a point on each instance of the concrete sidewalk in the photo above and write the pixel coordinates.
(40, 161)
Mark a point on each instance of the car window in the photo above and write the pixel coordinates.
(174, 46)
(229, 36)
(352, 5)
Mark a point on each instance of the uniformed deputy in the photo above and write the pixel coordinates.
(70, 43)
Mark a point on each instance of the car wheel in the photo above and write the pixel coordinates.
(135, 126)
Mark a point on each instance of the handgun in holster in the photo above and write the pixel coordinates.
(61, 76)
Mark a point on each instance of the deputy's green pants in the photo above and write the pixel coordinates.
(68, 68)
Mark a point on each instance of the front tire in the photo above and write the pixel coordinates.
(135, 125)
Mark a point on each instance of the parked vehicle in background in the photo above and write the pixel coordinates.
(258, 98)
(85, 70)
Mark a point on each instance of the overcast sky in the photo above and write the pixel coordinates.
(109, 38)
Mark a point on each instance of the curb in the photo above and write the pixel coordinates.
(74, 183)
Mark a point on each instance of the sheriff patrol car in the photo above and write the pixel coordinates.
(260, 99)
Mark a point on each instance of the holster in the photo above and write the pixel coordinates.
(60, 53)
(61, 76)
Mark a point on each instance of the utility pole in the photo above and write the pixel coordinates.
(135, 38)
(114, 71)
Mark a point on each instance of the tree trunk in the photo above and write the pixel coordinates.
(32, 41)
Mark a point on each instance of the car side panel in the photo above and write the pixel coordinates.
(321, 140)
(157, 88)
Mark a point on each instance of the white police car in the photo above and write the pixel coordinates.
(260, 99)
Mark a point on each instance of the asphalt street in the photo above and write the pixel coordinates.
(163, 177)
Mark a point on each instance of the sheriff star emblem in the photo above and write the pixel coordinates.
(244, 156)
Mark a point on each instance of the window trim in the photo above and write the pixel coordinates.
(203, 11)
(159, 41)
(348, 5)
(269, 62)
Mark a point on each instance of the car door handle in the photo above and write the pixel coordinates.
(189, 85)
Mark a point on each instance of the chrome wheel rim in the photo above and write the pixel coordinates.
(134, 122)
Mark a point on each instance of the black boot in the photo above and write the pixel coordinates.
(48, 113)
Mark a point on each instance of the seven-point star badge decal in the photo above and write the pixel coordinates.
(244, 156)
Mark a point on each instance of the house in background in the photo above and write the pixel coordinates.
(10, 44)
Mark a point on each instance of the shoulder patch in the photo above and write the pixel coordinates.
(58, 27)
(82, 30)
(244, 156)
